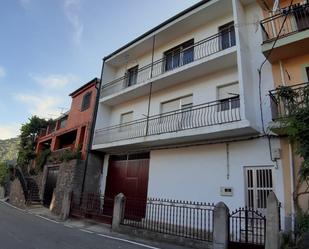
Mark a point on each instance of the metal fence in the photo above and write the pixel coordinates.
(207, 114)
(247, 226)
(186, 219)
(293, 19)
(285, 99)
(197, 51)
(93, 206)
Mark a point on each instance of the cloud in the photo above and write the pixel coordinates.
(44, 106)
(72, 11)
(9, 131)
(54, 80)
(2, 72)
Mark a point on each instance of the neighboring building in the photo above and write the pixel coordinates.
(72, 129)
(71, 132)
(290, 67)
(180, 110)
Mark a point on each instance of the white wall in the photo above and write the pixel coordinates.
(204, 31)
(204, 90)
(197, 173)
(249, 59)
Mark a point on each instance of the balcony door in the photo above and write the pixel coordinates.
(179, 55)
(227, 35)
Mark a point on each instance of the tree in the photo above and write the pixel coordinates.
(29, 132)
(3, 173)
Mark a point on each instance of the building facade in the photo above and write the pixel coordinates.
(184, 113)
(286, 35)
(72, 129)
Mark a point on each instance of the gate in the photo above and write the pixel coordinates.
(92, 206)
(51, 182)
(247, 229)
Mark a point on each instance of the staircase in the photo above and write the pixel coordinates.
(30, 188)
(33, 192)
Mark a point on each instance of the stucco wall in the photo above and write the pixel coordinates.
(203, 89)
(206, 30)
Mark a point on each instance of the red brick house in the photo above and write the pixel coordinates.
(72, 129)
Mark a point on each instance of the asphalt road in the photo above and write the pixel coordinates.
(21, 230)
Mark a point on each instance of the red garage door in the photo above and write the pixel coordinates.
(128, 174)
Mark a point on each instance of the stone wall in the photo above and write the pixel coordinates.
(17, 197)
(70, 177)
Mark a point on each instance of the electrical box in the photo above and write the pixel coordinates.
(276, 153)
(226, 191)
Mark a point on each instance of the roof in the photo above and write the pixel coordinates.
(182, 13)
(94, 80)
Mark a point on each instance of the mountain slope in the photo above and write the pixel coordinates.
(9, 149)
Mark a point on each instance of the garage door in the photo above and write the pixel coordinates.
(128, 174)
(51, 182)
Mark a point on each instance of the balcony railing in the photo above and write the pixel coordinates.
(207, 114)
(199, 50)
(293, 19)
(285, 99)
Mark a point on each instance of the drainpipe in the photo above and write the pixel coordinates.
(91, 133)
(150, 90)
(292, 186)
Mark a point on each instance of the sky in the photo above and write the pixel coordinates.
(48, 48)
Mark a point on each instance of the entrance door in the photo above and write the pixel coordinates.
(128, 174)
(259, 183)
(51, 182)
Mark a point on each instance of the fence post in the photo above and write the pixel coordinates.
(272, 222)
(221, 226)
(118, 213)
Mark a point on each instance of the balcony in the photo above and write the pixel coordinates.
(179, 61)
(293, 38)
(210, 120)
(284, 99)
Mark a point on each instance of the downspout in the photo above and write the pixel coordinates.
(292, 186)
(150, 89)
(91, 133)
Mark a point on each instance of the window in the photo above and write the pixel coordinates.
(62, 122)
(86, 101)
(227, 35)
(125, 118)
(229, 97)
(181, 107)
(177, 104)
(301, 15)
(180, 55)
(131, 76)
(259, 183)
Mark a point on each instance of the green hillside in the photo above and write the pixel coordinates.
(9, 149)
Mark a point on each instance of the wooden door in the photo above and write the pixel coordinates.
(130, 177)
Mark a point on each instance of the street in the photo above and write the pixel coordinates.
(19, 229)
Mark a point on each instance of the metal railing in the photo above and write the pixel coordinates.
(247, 226)
(207, 114)
(285, 99)
(186, 219)
(92, 205)
(199, 50)
(293, 19)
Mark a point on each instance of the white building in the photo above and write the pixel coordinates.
(180, 116)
